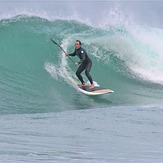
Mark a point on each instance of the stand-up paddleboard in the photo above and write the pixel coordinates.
(95, 91)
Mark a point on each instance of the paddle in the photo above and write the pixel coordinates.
(62, 50)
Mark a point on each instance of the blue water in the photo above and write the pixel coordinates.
(45, 119)
(112, 134)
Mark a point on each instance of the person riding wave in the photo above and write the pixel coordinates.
(85, 63)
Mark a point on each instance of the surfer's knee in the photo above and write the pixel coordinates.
(77, 73)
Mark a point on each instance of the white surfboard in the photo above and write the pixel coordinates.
(95, 91)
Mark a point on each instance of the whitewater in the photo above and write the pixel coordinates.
(44, 118)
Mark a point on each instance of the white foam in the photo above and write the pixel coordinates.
(52, 70)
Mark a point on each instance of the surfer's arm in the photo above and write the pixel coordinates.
(72, 54)
(82, 58)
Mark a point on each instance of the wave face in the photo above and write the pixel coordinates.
(127, 59)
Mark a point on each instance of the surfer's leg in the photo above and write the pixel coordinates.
(88, 68)
(79, 71)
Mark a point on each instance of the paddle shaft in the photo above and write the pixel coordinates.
(62, 50)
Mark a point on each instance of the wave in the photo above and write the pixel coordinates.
(127, 59)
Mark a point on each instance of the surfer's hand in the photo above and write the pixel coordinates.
(67, 54)
(76, 63)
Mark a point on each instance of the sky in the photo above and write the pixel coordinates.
(143, 12)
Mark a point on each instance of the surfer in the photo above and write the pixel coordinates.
(85, 64)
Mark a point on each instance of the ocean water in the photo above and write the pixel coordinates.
(43, 118)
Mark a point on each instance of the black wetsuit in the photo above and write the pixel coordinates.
(85, 64)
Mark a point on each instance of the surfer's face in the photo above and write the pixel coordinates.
(77, 45)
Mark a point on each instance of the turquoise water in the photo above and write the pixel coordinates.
(33, 68)
(45, 119)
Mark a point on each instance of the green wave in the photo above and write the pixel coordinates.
(32, 67)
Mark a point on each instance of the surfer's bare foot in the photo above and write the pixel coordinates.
(82, 85)
(91, 86)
